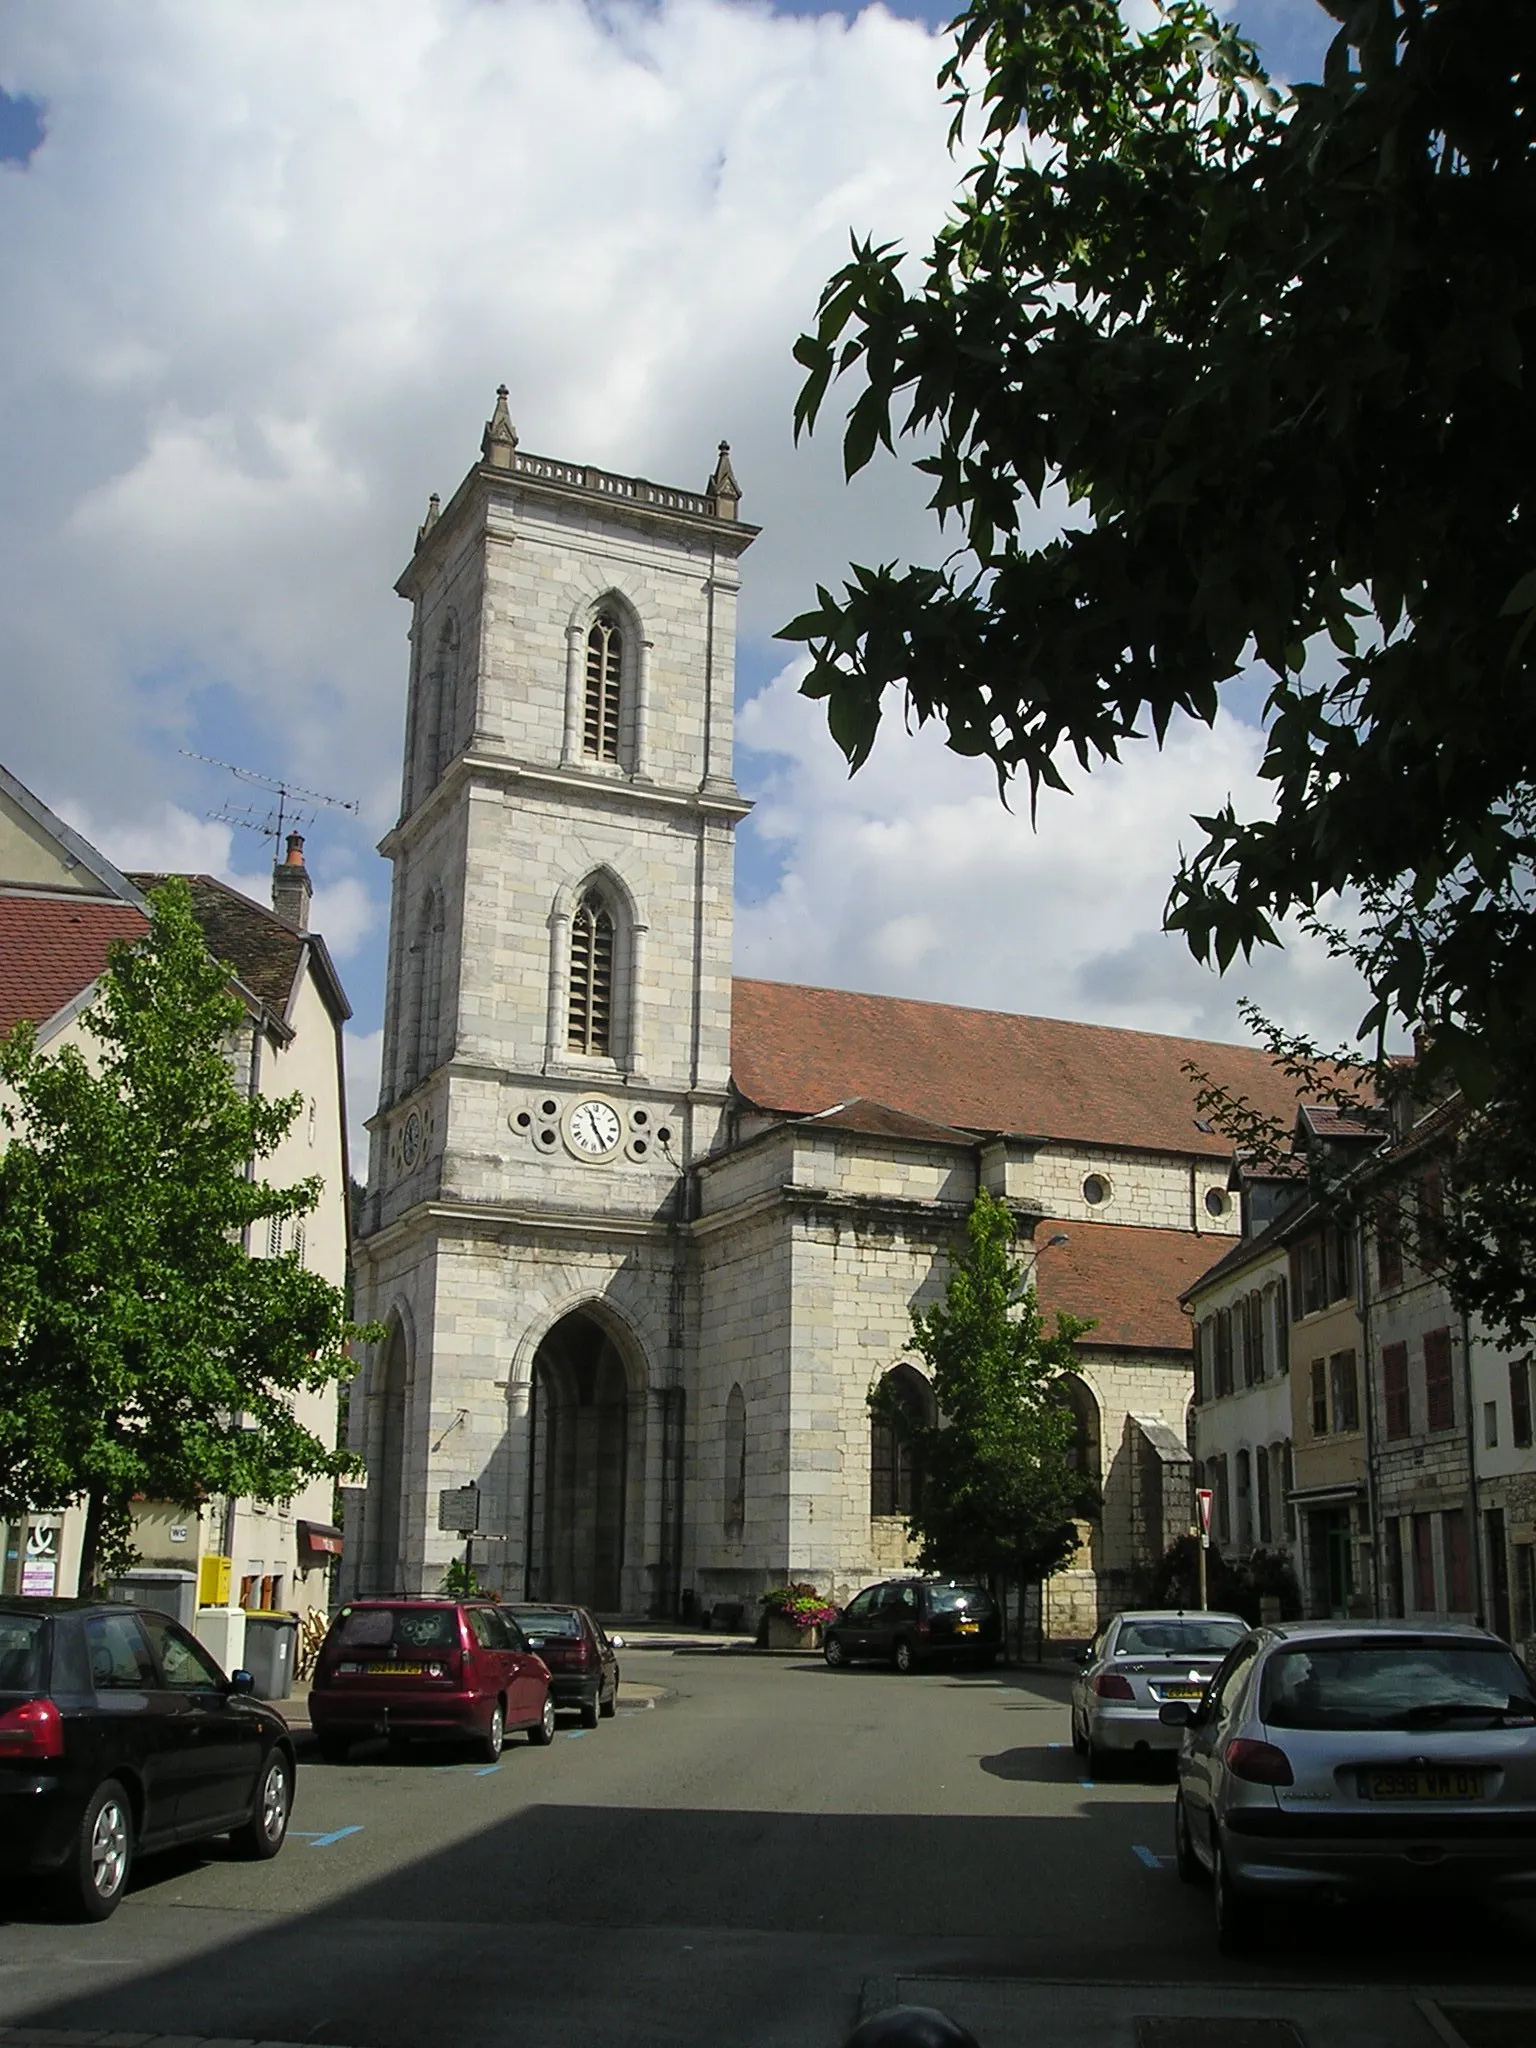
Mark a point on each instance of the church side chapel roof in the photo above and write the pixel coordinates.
(1128, 1276)
(879, 1120)
(802, 1050)
(52, 948)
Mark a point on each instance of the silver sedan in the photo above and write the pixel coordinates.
(1331, 1760)
(1133, 1667)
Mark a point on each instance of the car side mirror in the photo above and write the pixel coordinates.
(617, 1642)
(1179, 1713)
(241, 1682)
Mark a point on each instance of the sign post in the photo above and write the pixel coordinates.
(458, 1509)
(1203, 1498)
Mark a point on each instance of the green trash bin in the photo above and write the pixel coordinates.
(271, 1641)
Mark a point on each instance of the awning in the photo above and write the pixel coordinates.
(321, 1537)
(1327, 1496)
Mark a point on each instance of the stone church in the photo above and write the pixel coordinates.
(643, 1236)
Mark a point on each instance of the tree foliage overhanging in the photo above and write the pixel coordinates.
(1273, 350)
(999, 1487)
(143, 1351)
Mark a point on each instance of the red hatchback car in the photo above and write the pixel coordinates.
(407, 1667)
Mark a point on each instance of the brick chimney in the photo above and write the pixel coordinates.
(291, 888)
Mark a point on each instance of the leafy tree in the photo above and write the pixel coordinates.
(999, 1486)
(143, 1351)
(1268, 355)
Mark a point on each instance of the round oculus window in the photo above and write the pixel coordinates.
(1217, 1201)
(1095, 1189)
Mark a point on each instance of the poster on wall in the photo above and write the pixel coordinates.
(40, 1566)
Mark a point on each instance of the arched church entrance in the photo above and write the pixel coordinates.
(579, 1481)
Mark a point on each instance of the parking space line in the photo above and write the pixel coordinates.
(574, 1734)
(324, 1841)
(487, 1770)
(1148, 1856)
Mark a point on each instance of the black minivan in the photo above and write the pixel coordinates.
(908, 1622)
(119, 1733)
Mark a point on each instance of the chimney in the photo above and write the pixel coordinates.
(291, 889)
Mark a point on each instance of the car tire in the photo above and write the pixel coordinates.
(93, 1881)
(835, 1656)
(335, 1749)
(1237, 1918)
(904, 1657)
(542, 1733)
(610, 1706)
(267, 1829)
(590, 1712)
(493, 1740)
(1191, 1870)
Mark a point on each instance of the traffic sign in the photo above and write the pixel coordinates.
(1203, 1499)
(458, 1508)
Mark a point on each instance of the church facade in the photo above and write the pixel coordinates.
(644, 1237)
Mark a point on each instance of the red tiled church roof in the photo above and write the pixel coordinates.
(1126, 1276)
(52, 948)
(799, 1050)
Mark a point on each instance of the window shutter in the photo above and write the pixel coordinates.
(590, 1005)
(1319, 1397)
(1520, 1403)
(1439, 1394)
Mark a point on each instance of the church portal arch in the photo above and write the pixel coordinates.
(586, 1419)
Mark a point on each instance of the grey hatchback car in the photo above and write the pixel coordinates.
(1133, 1666)
(1339, 1759)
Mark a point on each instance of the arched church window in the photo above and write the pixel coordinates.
(1078, 1397)
(735, 1461)
(424, 994)
(895, 1476)
(590, 1010)
(605, 667)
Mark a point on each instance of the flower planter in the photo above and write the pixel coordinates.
(787, 1635)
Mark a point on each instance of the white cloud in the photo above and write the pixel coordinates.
(361, 1052)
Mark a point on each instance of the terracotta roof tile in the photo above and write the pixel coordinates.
(52, 948)
(1127, 1277)
(799, 1050)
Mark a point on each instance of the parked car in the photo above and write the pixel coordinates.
(119, 1735)
(1333, 1759)
(909, 1622)
(583, 1666)
(1133, 1666)
(411, 1667)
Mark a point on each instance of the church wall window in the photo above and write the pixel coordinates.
(589, 1008)
(422, 1010)
(895, 1477)
(735, 1462)
(437, 720)
(604, 687)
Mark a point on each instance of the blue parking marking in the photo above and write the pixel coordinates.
(1148, 1856)
(574, 1734)
(488, 1770)
(1086, 1783)
(336, 1835)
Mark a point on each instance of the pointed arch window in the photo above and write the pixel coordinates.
(589, 1026)
(605, 669)
(735, 1461)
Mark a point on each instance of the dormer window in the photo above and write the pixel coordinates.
(590, 1011)
(605, 667)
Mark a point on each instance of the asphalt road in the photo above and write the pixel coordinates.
(731, 1866)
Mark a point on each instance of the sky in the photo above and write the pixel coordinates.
(265, 265)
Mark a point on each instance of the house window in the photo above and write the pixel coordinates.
(1258, 1364)
(605, 665)
(1261, 1473)
(274, 1237)
(1288, 1486)
(1431, 1204)
(1202, 1366)
(1389, 1243)
(1244, 1501)
(1394, 1380)
(735, 1461)
(1339, 1255)
(1393, 1537)
(1458, 1561)
(1424, 1564)
(1223, 1351)
(590, 1008)
(1282, 1325)
(1223, 1500)
(1308, 1276)
(1439, 1395)
(1345, 1391)
(1520, 1403)
(1319, 1397)
(1490, 1425)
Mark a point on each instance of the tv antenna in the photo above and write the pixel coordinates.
(295, 805)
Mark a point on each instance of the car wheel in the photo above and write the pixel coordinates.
(495, 1734)
(610, 1706)
(1237, 1920)
(589, 1712)
(267, 1829)
(903, 1656)
(1079, 1739)
(1191, 1870)
(96, 1876)
(834, 1653)
(543, 1730)
(335, 1749)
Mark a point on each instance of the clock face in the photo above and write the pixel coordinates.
(594, 1128)
(410, 1139)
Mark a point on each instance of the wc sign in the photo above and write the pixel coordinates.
(1203, 1499)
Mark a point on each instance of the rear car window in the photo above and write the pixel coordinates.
(959, 1600)
(1178, 1638)
(23, 1641)
(407, 1628)
(1365, 1685)
(549, 1625)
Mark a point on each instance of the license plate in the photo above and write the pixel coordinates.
(967, 1628)
(1182, 1692)
(1422, 1784)
(395, 1670)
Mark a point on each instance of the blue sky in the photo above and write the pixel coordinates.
(265, 267)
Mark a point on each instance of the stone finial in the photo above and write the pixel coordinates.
(434, 513)
(722, 488)
(500, 436)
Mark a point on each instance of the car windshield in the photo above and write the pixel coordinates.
(407, 1628)
(959, 1599)
(1177, 1638)
(1363, 1685)
(21, 1652)
(545, 1623)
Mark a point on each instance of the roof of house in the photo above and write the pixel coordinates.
(264, 949)
(879, 1120)
(799, 1050)
(1126, 1276)
(52, 948)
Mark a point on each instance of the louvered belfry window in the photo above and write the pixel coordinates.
(591, 1005)
(605, 663)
